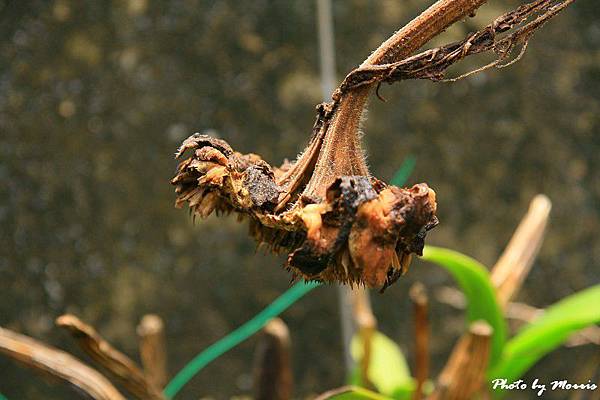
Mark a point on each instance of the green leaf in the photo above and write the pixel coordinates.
(401, 176)
(358, 393)
(237, 336)
(474, 281)
(548, 332)
(388, 370)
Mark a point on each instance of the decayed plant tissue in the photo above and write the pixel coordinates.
(337, 222)
(354, 230)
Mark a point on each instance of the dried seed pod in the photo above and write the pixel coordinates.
(362, 232)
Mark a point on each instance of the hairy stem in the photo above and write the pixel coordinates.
(341, 152)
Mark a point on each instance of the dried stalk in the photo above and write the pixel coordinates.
(337, 126)
(514, 264)
(113, 361)
(432, 64)
(420, 301)
(525, 313)
(589, 335)
(273, 377)
(464, 374)
(57, 363)
(151, 333)
(339, 120)
(520, 312)
(366, 325)
(516, 261)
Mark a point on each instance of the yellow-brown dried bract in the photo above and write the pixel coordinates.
(362, 232)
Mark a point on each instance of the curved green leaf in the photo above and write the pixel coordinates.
(547, 332)
(388, 370)
(237, 336)
(474, 281)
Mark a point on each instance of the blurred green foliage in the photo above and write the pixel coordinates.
(96, 96)
(388, 370)
(474, 281)
(547, 332)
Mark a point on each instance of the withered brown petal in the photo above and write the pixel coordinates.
(362, 232)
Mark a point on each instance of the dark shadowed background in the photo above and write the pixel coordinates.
(96, 95)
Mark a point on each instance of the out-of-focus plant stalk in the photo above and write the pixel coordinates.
(153, 350)
(273, 379)
(516, 261)
(57, 363)
(420, 301)
(328, 84)
(117, 364)
(465, 372)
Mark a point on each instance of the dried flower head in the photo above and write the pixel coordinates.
(360, 231)
(336, 221)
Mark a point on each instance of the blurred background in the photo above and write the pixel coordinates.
(96, 96)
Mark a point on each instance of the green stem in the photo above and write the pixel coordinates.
(237, 336)
(401, 176)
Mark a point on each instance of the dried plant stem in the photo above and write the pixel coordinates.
(153, 350)
(464, 374)
(516, 261)
(589, 335)
(432, 64)
(342, 153)
(273, 374)
(525, 313)
(57, 363)
(366, 325)
(335, 148)
(113, 361)
(520, 312)
(420, 301)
